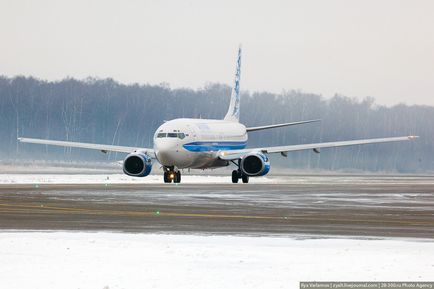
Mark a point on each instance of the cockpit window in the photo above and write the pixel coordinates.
(180, 135)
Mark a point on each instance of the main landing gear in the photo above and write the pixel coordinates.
(237, 174)
(170, 174)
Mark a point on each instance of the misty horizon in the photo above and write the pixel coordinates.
(168, 85)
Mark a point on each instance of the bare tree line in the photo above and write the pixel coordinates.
(105, 111)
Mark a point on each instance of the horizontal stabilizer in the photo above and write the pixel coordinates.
(280, 125)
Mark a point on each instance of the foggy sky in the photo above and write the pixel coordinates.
(383, 49)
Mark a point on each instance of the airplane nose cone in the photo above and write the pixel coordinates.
(166, 158)
(166, 152)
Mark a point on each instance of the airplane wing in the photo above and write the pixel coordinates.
(236, 154)
(249, 129)
(100, 147)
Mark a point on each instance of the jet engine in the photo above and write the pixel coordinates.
(137, 165)
(255, 164)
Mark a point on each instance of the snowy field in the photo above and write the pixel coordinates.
(204, 179)
(116, 260)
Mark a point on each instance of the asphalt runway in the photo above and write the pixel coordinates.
(369, 206)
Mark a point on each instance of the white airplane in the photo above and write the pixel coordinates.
(208, 143)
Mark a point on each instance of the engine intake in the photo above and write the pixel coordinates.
(255, 164)
(137, 165)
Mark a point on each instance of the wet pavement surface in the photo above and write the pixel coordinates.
(358, 206)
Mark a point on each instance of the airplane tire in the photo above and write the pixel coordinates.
(245, 178)
(177, 177)
(235, 176)
(166, 178)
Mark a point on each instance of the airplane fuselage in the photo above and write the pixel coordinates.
(195, 143)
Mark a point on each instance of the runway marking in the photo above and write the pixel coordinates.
(11, 208)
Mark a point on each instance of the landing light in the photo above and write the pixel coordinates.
(172, 176)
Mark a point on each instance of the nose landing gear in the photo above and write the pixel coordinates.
(170, 174)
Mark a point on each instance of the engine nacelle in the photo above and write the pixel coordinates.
(137, 165)
(255, 164)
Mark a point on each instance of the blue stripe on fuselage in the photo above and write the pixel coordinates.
(214, 146)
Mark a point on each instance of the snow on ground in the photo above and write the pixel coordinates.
(119, 260)
(210, 179)
(107, 178)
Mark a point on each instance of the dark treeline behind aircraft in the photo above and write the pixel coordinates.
(106, 112)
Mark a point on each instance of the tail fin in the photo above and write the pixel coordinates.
(233, 113)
